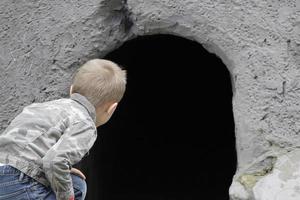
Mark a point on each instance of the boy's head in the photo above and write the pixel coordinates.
(103, 83)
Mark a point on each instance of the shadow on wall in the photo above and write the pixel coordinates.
(172, 136)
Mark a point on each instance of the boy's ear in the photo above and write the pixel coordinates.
(111, 109)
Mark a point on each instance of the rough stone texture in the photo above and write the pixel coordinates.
(284, 181)
(43, 42)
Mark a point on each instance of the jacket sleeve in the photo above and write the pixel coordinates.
(75, 142)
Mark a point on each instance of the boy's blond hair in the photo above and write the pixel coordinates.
(100, 81)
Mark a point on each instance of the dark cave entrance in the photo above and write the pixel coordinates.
(172, 136)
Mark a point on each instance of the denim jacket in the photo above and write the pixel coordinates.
(46, 139)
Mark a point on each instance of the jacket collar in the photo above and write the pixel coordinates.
(86, 103)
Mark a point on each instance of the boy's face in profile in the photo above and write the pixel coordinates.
(104, 113)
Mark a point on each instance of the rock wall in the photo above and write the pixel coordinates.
(42, 44)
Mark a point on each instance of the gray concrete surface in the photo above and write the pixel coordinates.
(43, 42)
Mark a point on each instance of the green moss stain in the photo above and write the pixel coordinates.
(250, 179)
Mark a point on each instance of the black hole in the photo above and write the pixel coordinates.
(172, 136)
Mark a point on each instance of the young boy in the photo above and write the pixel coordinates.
(40, 146)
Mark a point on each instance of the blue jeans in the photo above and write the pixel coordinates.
(16, 185)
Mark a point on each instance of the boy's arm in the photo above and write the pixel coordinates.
(69, 149)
